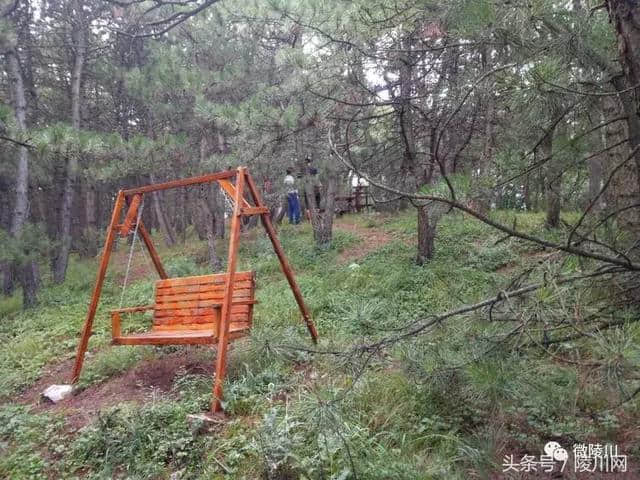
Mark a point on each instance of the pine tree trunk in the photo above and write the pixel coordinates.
(279, 211)
(209, 224)
(30, 281)
(481, 193)
(322, 215)
(217, 204)
(625, 16)
(199, 224)
(180, 225)
(8, 280)
(595, 180)
(21, 206)
(422, 174)
(91, 229)
(541, 190)
(165, 227)
(526, 194)
(621, 193)
(554, 182)
(426, 236)
(62, 258)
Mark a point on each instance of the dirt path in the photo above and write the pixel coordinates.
(371, 239)
(148, 380)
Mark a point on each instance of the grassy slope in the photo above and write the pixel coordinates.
(295, 414)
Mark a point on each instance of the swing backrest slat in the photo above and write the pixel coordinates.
(195, 303)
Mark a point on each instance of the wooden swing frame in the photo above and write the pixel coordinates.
(132, 198)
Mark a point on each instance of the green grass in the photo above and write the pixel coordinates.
(436, 406)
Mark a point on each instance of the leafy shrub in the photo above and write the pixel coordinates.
(138, 442)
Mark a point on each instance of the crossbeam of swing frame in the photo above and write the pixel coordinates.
(132, 198)
(185, 182)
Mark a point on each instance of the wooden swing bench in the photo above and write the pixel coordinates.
(187, 310)
(204, 309)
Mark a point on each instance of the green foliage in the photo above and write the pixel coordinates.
(473, 16)
(140, 443)
(20, 430)
(460, 183)
(5, 110)
(31, 245)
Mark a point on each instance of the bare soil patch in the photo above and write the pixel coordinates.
(371, 239)
(149, 380)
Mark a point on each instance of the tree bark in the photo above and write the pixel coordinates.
(30, 273)
(30, 281)
(426, 235)
(595, 180)
(91, 229)
(180, 225)
(526, 194)
(217, 204)
(165, 227)
(79, 40)
(209, 224)
(554, 182)
(482, 200)
(422, 173)
(622, 190)
(21, 206)
(8, 278)
(481, 194)
(625, 16)
(322, 215)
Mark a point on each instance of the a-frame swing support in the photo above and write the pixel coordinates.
(241, 207)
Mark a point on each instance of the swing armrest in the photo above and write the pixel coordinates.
(116, 319)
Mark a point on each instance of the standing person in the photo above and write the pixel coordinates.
(311, 170)
(293, 201)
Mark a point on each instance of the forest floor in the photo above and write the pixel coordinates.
(370, 239)
(402, 412)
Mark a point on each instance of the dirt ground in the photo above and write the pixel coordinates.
(146, 381)
(371, 239)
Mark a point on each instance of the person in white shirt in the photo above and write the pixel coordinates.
(293, 201)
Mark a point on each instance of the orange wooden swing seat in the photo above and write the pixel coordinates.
(204, 309)
(187, 311)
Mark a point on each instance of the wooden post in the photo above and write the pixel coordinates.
(146, 238)
(231, 191)
(155, 258)
(284, 264)
(97, 289)
(131, 215)
(116, 321)
(225, 317)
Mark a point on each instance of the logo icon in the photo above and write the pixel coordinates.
(555, 451)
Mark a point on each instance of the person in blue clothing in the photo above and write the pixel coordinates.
(293, 200)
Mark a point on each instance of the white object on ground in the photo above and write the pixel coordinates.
(55, 393)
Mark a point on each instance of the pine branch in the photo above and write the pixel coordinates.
(629, 265)
(159, 27)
